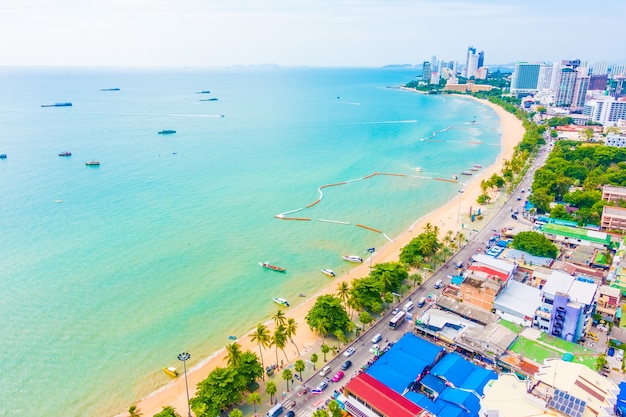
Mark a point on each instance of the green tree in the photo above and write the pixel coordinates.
(233, 357)
(390, 274)
(263, 339)
(325, 350)
(416, 278)
(327, 315)
(133, 411)
(271, 389)
(222, 388)
(535, 244)
(600, 362)
(287, 376)
(168, 411)
(299, 366)
(334, 408)
(255, 399)
(559, 212)
(236, 413)
(365, 318)
(279, 318)
(249, 368)
(320, 413)
(290, 331)
(314, 359)
(343, 292)
(279, 340)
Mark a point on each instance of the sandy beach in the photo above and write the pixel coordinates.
(445, 218)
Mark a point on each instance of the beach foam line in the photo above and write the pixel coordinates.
(388, 238)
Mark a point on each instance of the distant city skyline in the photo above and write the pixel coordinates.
(212, 33)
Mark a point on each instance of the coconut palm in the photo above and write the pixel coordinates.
(299, 366)
(343, 292)
(314, 359)
(254, 398)
(279, 341)
(279, 318)
(234, 354)
(290, 332)
(262, 337)
(271, 389)
(287, 376)
(325, 350)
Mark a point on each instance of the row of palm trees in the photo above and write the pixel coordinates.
(284, 331)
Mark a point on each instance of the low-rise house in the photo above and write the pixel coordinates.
(518, 303)
(608, 302)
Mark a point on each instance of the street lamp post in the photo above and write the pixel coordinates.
(458, 216)
(184, 357)
(371, 251)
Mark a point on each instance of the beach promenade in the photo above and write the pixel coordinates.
(446, 218)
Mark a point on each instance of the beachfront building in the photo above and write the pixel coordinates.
(439, 383)
(525, 78)
(518, 303)
(608, 302)
(559, 388)
(613, 219)
(606, 110)
(613, 193)
(567, 306)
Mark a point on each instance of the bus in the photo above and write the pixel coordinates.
(397, 320)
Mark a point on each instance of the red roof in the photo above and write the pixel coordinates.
(489, 271)
(382, 398)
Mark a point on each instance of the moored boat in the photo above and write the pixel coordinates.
(328, 272)
(268, 265)
(3, 156)
(352, 258)
(466, 173)
(92, 163)
(61, 104)
(474, 169)
(281, 301)
(167, 132)
(66, 153)
(171, 371)
(478, 166)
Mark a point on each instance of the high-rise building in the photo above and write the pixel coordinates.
(606, 110)
(599, 68)
(472, 66)
(598, 81)
(545, 77)
(434, 63)
(471, 51)
(580, 88)
(525, 79)
(617, 70)
(481, 59)
(426, 70)
(564, 93)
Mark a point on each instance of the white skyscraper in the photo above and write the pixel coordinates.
(545, 77)
(600, 67)
(472, 65)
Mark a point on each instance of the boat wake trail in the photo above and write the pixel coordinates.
(435, 133)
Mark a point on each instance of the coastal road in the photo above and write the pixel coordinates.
(307, 403)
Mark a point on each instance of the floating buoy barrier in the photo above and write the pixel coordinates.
(393, 175)
(368, 228)
(445, 179)
(296, 218)
(332, 221)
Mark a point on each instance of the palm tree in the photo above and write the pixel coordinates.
(279, 318)
(287, 376)
(254, 398)
(325, 350)
(314, 359)
(279, 340)
(343, 292)
(299, 366)
(234, 354)
(133, 411)
(271, 389)
(262, 337)
(350, 327)
(290, 331)
(236, 413)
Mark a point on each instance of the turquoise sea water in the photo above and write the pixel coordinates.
(156, 251)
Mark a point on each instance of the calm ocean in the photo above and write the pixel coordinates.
(107, 273)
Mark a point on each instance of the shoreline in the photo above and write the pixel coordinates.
(444, 217)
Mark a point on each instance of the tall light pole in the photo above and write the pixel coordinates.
(184, 357)
(458, 216)
(371, 251)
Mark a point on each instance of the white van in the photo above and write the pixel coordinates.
(275, 411)
(408, 306)
(438, 284)
(377, 338)
(325, 370)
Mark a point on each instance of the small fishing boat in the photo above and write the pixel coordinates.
(204, 92)
(110, 89)
(466, 173)
(456, 177)
(418, 169)
(171, 371)
(3, 156)
(328, 272)
(474, 169)
(352, 258)
(232, 337)
(167, 132)
(92, 163)
(66, 153)
(281, 301)
(61, 104)
(268, 265)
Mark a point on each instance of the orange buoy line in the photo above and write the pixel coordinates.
(393, 175)
(314, 203)
(445, 179)
(368, 228)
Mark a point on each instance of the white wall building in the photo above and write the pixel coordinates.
(606, 110)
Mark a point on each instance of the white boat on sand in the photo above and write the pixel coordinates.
(328, 272)
(352, 258)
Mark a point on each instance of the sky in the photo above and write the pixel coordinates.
(355, 33)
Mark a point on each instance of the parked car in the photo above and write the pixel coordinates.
(611, 351)
(349, 352)
(438, 284)
(322, 385)
(374, 349)
(291, 413)
(346, 365)
(514, 216)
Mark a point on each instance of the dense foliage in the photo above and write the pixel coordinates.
(421, 248)
(390, 274)
(574, 173)
(536, 244)
(327, 315)
(167, 412)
